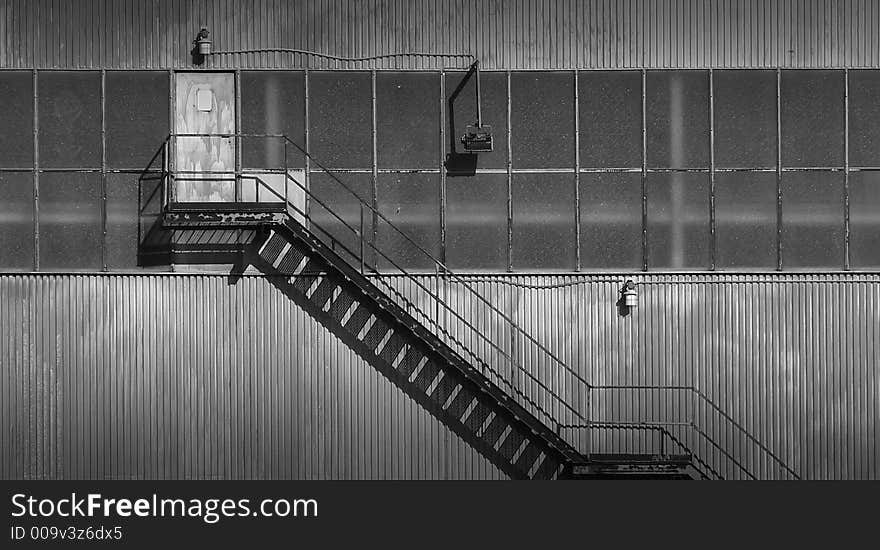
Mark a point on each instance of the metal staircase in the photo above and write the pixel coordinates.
(414, 358)
(517, 404)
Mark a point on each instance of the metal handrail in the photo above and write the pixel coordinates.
(663, 426)
(558, 399)
(663, 430)
(439, 327)
(441, 267)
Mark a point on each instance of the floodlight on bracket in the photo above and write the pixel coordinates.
(477, 137)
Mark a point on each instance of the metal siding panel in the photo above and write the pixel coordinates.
(519, 34)
(778, 353)
(117, 376)
(126, 380)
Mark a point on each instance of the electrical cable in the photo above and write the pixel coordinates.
(346, 59)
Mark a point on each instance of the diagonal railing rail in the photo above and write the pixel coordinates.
(551, 390)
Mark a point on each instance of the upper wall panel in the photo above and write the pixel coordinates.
(503, 34)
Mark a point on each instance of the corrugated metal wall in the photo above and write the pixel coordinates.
(191, 376)
(504, 34)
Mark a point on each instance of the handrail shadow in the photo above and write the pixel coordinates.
(283, 284)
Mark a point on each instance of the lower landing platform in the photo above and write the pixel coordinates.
(219, 215)
(631, 466)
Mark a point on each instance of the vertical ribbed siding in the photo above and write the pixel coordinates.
(793, 360)
(152, 376)
(504, 34)
(189, 377)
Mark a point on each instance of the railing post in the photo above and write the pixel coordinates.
(589, 445)
(172, 151)
(164, 180)
(236, 177)
(361, 236)
(286, 174)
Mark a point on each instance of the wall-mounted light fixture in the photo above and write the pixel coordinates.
(203, 45)
(630, 296)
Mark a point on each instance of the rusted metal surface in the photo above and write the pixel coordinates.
(503, 34)
(221, 219)
(173, 376)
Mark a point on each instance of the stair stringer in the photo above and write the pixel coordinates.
(409, 355)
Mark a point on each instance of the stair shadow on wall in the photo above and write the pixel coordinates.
(285, 285)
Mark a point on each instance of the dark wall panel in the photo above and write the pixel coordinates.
(340, 119)
(812, 220)
(412, 203)
(677, 118)
(542, 120)
(745, 119)
(864, 219)
(337, 195)
(611, 220)
(273, 102)
(812, 104)
(745, 220)
(122, 220)
(70, 119)
(408, 120)
(543, 221)
(16, 220)
(864, 118)
(137, 106)
(610, 119)
(476, 222)
(70, 221)
(678, 220)
(17, 135)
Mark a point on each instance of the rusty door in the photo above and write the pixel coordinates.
(204, 163)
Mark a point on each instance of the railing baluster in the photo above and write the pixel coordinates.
(524, 386)
(361, 237)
